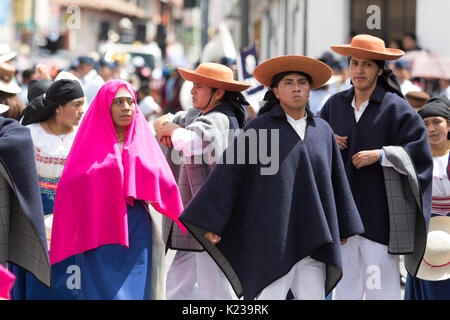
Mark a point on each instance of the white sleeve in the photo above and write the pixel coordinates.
(187, 141)
(386, 163)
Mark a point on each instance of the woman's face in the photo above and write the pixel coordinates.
(122, 111)
(437, 128)
(70, 114)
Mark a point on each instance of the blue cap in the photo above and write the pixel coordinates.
(401, 64)
(86, 60)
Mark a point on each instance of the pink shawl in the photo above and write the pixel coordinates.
(7, 280)
(98, 181)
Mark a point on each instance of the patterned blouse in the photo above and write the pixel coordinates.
(50, 152)
(441, 186)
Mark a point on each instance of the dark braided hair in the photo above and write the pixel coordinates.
(237, 101)
(270, 98)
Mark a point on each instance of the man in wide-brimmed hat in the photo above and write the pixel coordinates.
(195, 139)
(274, 224)
(370, 120)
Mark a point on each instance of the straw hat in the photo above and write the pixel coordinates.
(3, 108)
(214, 75)
(6, 53)
(365, 46)
(435, 264)
(7, 82)
(319, 72)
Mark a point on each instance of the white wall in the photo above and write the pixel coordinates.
(433, 25)
(328, 24)
(283, 26)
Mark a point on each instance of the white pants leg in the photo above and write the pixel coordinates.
(368, 269)
(306, 279)
(212, 282)
(382, 272)
(181, 280)
(351, 285)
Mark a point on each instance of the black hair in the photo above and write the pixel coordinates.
(237, 101)
(270, 98)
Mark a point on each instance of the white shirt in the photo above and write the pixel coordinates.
(298, 125)
(362, 107)
(408, 86)
(91, 83)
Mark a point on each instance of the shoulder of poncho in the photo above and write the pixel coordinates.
(214, 118)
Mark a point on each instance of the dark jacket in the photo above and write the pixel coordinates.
(22, 232)
(270, 219)
(387, 121)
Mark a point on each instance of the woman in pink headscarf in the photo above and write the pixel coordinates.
(114, 170)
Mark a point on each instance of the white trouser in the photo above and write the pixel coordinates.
(195, 276)
(306, 279)
(368, 269)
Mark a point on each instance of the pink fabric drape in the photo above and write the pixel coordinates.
(98, 181)
(7, 280)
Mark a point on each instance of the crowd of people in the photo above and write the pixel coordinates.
(343, 170)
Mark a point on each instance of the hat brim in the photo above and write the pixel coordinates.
(235, 86)
(430, 273)
(3, 108)
(349, 51)
(417, 95)
(319, 72)
(10, 87)
(9, 56)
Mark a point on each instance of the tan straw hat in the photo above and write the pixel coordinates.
(214, 75)
(319, 72)
(7, 82)
(3, 108)
(435, 264)
(365, 46)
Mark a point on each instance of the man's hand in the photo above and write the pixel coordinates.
(365, 158)
(160, 121)
(341, 141)
(212, 237)
(166, 130)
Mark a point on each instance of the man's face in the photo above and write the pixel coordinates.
(293, 91)
(200, 96)
(364, 73)
(83, 69)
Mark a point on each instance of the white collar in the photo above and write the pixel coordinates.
(362, 106)
(296, 122)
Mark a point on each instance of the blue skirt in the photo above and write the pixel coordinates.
(113, 272)
(65, 279)
(419, 289)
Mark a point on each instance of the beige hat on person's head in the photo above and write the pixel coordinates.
(6, 53)
(3, 108)
(365, 46)
(319, 72)
(7, 82)
(417, 95)
(435, 264)
(214, 75)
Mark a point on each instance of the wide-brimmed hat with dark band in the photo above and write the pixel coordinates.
(214, 75)
(365, 46)
(319, 72)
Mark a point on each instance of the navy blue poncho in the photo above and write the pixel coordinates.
(388, 121)
(270, 219)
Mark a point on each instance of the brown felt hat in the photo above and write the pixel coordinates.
(214, 75)
(319, 72)
(417, 95)
(365, 46)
